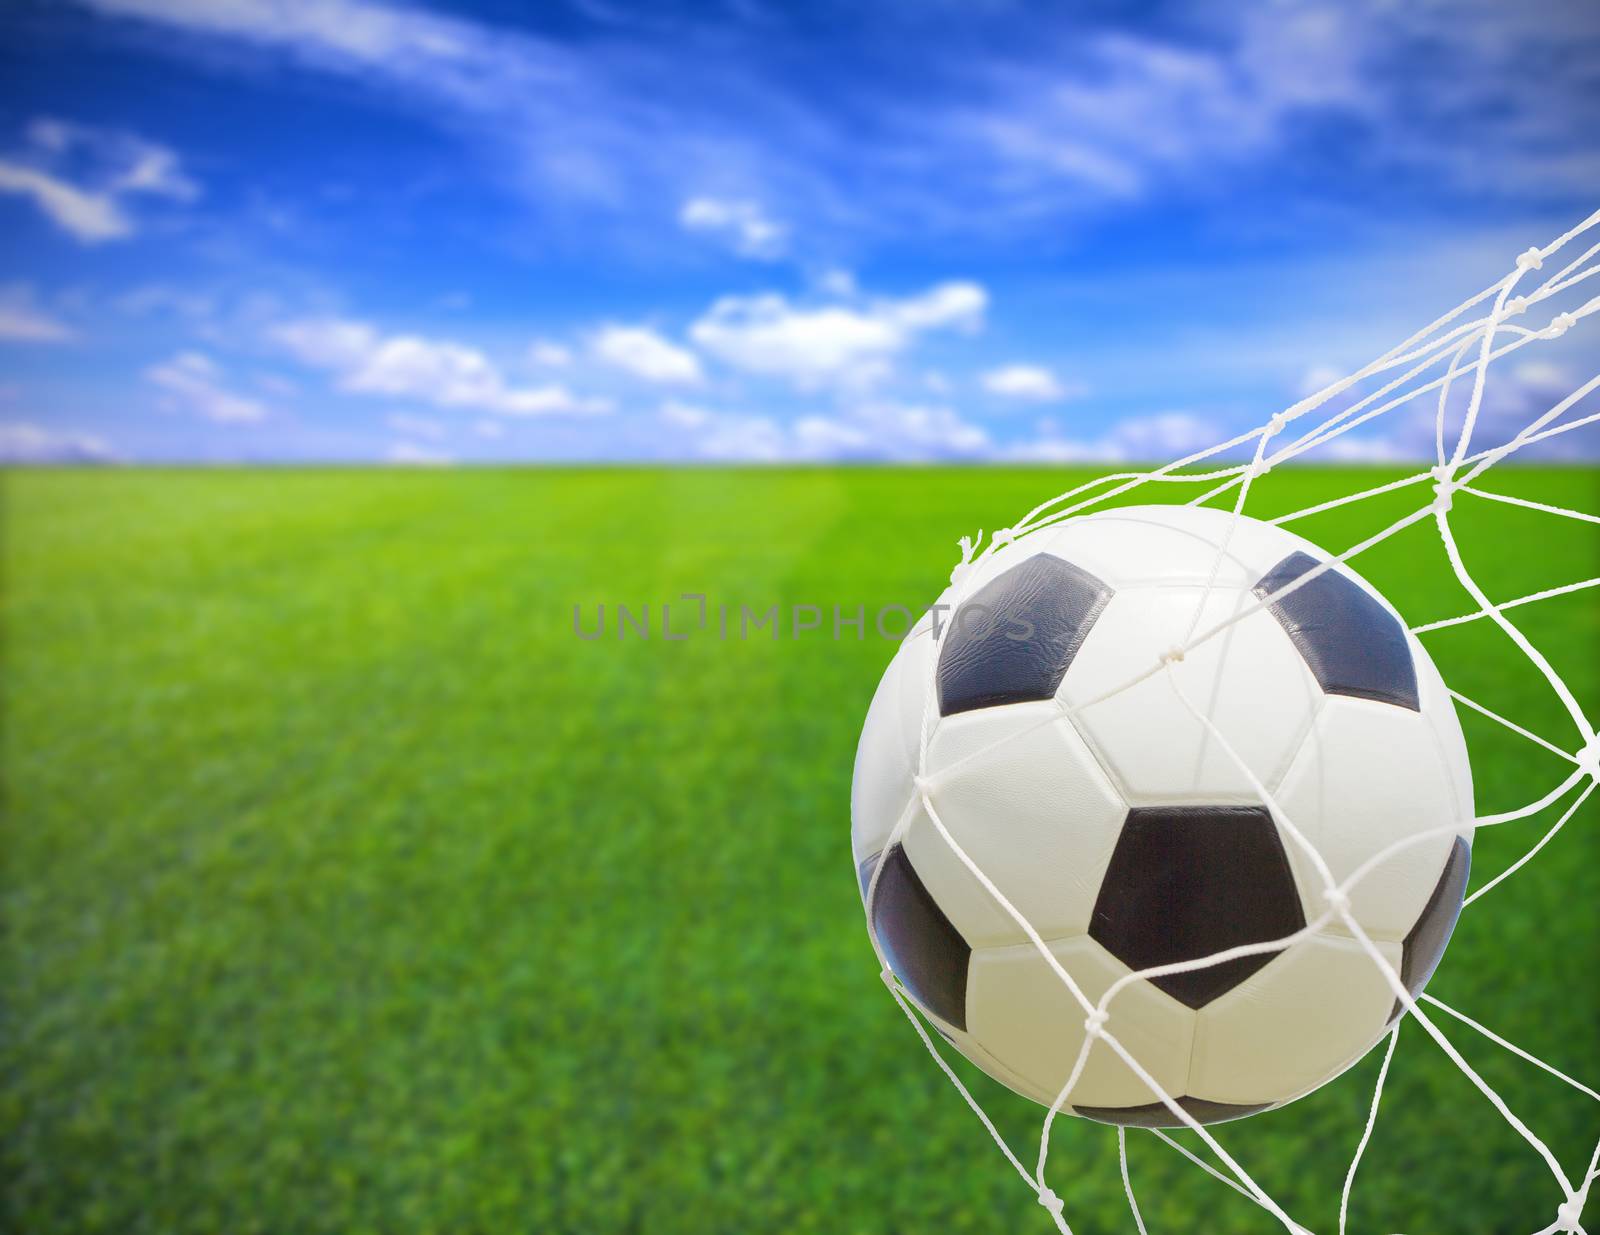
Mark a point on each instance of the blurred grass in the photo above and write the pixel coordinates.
(345, 890)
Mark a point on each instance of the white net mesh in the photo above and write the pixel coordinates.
(1444, 369)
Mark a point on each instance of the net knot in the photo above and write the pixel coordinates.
(1569, 1216)
(1531, 260)
(1094, 1023)
(1276, 424)
(1516, 305)
(1559, 325)
(1258, 468)
(1338, 900)
(1002, 536)
(1444, 487)
(1172, 656)
(887, 975)
(1589, 759)
(923, 785)
(1051, 1201)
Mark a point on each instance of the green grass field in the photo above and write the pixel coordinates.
(346, 891)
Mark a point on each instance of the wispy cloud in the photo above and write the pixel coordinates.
(1332, 96)
(127, 163)
(1081, 116)
(88, 217)
(877, 429)
(24, 320)
(442, 372)
(591, 126)
(408, 425)
(1513, 396)
(115, 166)
(743, 225)
(25, 442)
(1116, 112)
(1143, 439)
(194, 382)
(681, 415)
(549, 354)
(412, 455)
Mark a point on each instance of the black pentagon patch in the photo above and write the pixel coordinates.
(1351, 643)
(1156, 1115)
(1188, 881)
(1014, 639)
(924, 949)
(1424, 944)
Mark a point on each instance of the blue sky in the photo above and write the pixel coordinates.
(252, 230)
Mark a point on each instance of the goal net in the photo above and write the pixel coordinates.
(1462, 388)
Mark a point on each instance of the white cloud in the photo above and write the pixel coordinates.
(724, 436)
(1158, 438)
(1166, 435)
(362, 32)
(116, 165)
(277, 384)
(828, 437)
(1544, 378)
(154, 170)
(193, 382)
(408, 425)
(1030, 383)
(128, 164)
(811, 345)
(766, 334)
(755, 439)
(839, 282)
(958, 305)
(437, 371)
(410, 454)
(743, 224)
(22, 320)
(89, 217)
(1352, 449)
(684, 415)
(1513, 396)
(875, 430)
(916, 431)
(1317, 378)
(449, 374)
(646, 355)
(489, 429)
(327, 342)
(549, 354)
(25, 442)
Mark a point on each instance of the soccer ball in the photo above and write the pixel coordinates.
(1128, 836)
